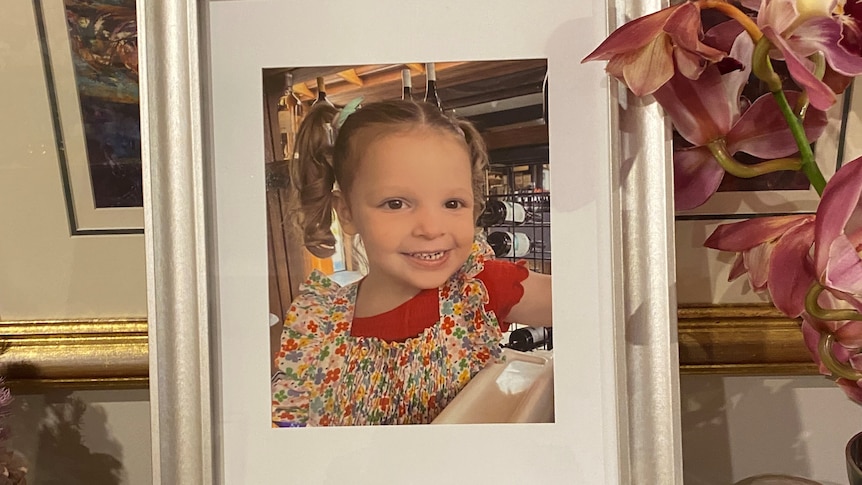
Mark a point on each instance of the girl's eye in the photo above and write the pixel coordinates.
(454, 204)
(393, 204)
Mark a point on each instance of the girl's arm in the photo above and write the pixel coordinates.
(534, 309)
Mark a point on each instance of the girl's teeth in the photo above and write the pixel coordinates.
(428, 256)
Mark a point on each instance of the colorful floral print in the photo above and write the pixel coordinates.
(329, 378)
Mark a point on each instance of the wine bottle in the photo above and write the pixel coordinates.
(431, 86)
(289, 116)
(526, 339)
(407, 85)
(499, 211)
(509, 245)
(321, 92)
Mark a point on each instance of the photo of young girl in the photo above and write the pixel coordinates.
(398, 344)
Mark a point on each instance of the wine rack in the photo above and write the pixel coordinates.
(517, 219)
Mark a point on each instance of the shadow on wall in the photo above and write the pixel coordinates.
(55, 431)
(729, 435)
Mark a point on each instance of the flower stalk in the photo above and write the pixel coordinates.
(809, 166)
(762, 68)
(815, 310)
(736, 14)
(836, 367)
(718, 148)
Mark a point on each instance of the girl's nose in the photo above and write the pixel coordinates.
(429, 223)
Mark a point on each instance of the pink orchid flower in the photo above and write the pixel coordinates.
(838, 235)
(710, 108)
(642, 52)
(774, 252)
(811, 337)
(800, 28)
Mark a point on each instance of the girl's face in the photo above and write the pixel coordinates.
(411, 201)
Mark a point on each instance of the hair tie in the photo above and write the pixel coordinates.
(346, 111)
(340, 117)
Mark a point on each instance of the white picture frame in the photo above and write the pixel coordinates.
(617, 411)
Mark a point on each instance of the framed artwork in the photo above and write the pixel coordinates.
(90, 57)
(207, 249)
(73, 309)
(725, 326)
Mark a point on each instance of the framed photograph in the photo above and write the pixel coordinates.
(72, 307)
(90, 60)
(724, 325)
(503, 99)
(616, 417)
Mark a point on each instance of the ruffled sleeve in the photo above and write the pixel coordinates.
(306, 322)
(503, 280)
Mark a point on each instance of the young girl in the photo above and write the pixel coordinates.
(396, 346)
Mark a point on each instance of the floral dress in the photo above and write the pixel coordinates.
(329, 378)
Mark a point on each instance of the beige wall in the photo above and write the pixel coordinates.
(45, 273)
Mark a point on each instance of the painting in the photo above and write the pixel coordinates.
(90, 56)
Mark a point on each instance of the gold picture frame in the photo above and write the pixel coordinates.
(91, 353)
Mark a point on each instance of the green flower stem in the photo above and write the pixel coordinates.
(761, 66)
(819, 71)
(827, 339)
(815, 310)
(809, 166)
(718, 148)
(837, 368)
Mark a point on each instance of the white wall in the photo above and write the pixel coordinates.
(96, 437)
(736, 427)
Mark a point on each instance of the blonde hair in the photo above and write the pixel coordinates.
(327, 155)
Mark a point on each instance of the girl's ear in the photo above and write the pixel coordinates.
(342, 208)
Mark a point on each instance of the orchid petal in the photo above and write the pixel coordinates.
(723, 35)
(699, 108)
(688, 63)
(790, 275)
(744, 235)
(761, 131)
(632, 36)
(777, 14)
(851, 389)
(843, 270)
(824, 34)
(647, 69)
(819, 94)
(752, 4)
(839, 200)
(850, 335)
(757, 262)
(738, 269)
(811, 338)
(685, 28)
(696, 176)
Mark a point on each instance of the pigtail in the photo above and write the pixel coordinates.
(479, 159)
(311, 181)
